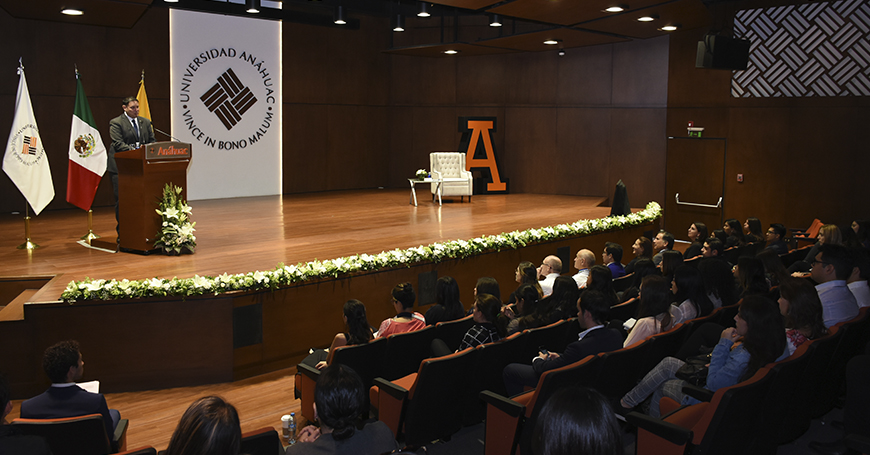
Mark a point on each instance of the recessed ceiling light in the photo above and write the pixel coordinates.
(616, 9)
(424, 10)
(551, 42)
(171, 1)
(670, 28)
(649, 18)
(494, 20)
(451, 51)
(72, 12)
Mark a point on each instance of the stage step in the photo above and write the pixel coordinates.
(14, 311)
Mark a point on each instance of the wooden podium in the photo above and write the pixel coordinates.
(142, 174)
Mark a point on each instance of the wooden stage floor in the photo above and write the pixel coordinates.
(240, 235)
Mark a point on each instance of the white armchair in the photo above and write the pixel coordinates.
(449, 168)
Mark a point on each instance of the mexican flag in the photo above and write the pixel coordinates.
(87, 154)
(25, 161)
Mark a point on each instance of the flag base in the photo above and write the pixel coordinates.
(28, 245)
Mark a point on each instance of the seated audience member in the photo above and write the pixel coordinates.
(562, 303)
(857, 281)
(800, 305)
(749, 272)
(358, 332)
(593, 308)
(697, 234)
(664, 241)
(690, 296)
(483, 331)
(654, 311)
(829, 234)
(831, 268)
(774, 271)
(734, 232)
(600, 280)
(720, 235)
(12, 440)
(524, 314)
(577, 420)
(64, 366)
(860, 234)
(756, 341)
(447, 305)
(339, 402)
(583, 262)
(550, 268)
(713, 248)
(776, 239)
(526, 274)
(487, 285)
(642, 248)
(612, 258)
(209, 426)
(405, 320)
(753, 231)
(671, 259)
(644, 268)
(719, 282)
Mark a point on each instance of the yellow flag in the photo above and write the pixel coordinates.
(144, 110)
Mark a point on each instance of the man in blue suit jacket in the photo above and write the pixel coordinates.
(593, 308)
(63, 364)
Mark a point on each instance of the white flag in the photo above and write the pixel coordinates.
(25, 161)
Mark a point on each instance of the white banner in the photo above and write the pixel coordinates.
(226, 101)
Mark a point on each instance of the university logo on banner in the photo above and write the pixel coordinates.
(227, 98)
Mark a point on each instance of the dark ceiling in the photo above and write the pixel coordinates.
(462, 25)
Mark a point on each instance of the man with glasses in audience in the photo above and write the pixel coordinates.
(775, 235)
(549, 270)
(831, 268)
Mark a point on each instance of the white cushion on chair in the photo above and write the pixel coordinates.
(449, 167)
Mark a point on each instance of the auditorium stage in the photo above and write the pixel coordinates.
(257, 233)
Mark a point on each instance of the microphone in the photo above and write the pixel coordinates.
(165, 133)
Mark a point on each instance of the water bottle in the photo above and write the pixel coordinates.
(292, 423)
(285, 429)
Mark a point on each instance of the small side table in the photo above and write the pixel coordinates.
(430, 181)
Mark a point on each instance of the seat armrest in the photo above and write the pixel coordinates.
(436, 175)
(396, 391)
(308, 370)
(119, 438)
(505, 405)
(698, 393)
(674, 434)
(392, 400)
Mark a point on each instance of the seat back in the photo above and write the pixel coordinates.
(405, 351)
(493, 358)
(553, 337)
(449, 164)
(366, 359)
(624, 311)
(436, 402)
(732, 254)
(666, 344)
(623, 368)
(624, 282)
(853, 338)
(451, 332)
(264, 441)
(84, 435)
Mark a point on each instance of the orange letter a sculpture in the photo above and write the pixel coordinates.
(474, 131)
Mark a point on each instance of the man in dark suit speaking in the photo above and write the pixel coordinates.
(128, 132)
(593, 308)
(63, 364)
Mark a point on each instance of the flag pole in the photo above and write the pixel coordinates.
(27, 245)
(90, 235)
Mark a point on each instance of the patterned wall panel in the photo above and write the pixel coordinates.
(817, 49)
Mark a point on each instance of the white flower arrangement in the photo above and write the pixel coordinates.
(421, 174)
(176, 231)
(285, 275)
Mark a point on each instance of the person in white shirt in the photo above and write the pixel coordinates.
(584, 260)
(550, 268)
(831, 268)
(857, 281)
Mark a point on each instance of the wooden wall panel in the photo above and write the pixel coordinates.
(585, 76)
(349, 128)
(306, 139)
(583, 136)
(640, 73)
(637, 154)
(532, 80)
(481, 80)
(111, 61)
(530, 135)
(422, 81)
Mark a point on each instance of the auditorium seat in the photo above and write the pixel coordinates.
(493, 358)
(553, 337)
(264, 441)
(795, 255)
(366, 359)
(510, 421)
(727, 424)
(427, 405)
(451, 332)
(853, 339)
(83, 435)
(624, 282)
(620, 370)
(624, 311)
(405, 351)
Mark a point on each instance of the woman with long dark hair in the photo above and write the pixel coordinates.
(800, 304)
(577, 420)
(601, 279)
(689, 293)
(753, 230)
(524, 315)
(209, 426)
(734, 233)
(447, 305)
(358, 332)
(697, 234)
(642, 248)
(653, 314)
(749, 272)
(757, 340)
(719, 282)
(562, 303)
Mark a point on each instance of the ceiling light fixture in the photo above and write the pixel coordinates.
(170, 1)
(338, 16)
(561, 52)
(253, 6)
(671, 28)
(424, 10)
(451, 52)
(551, 42)
(616, 9)
(494, 20)
(72, 12)
(399, 25)
(649, 18)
